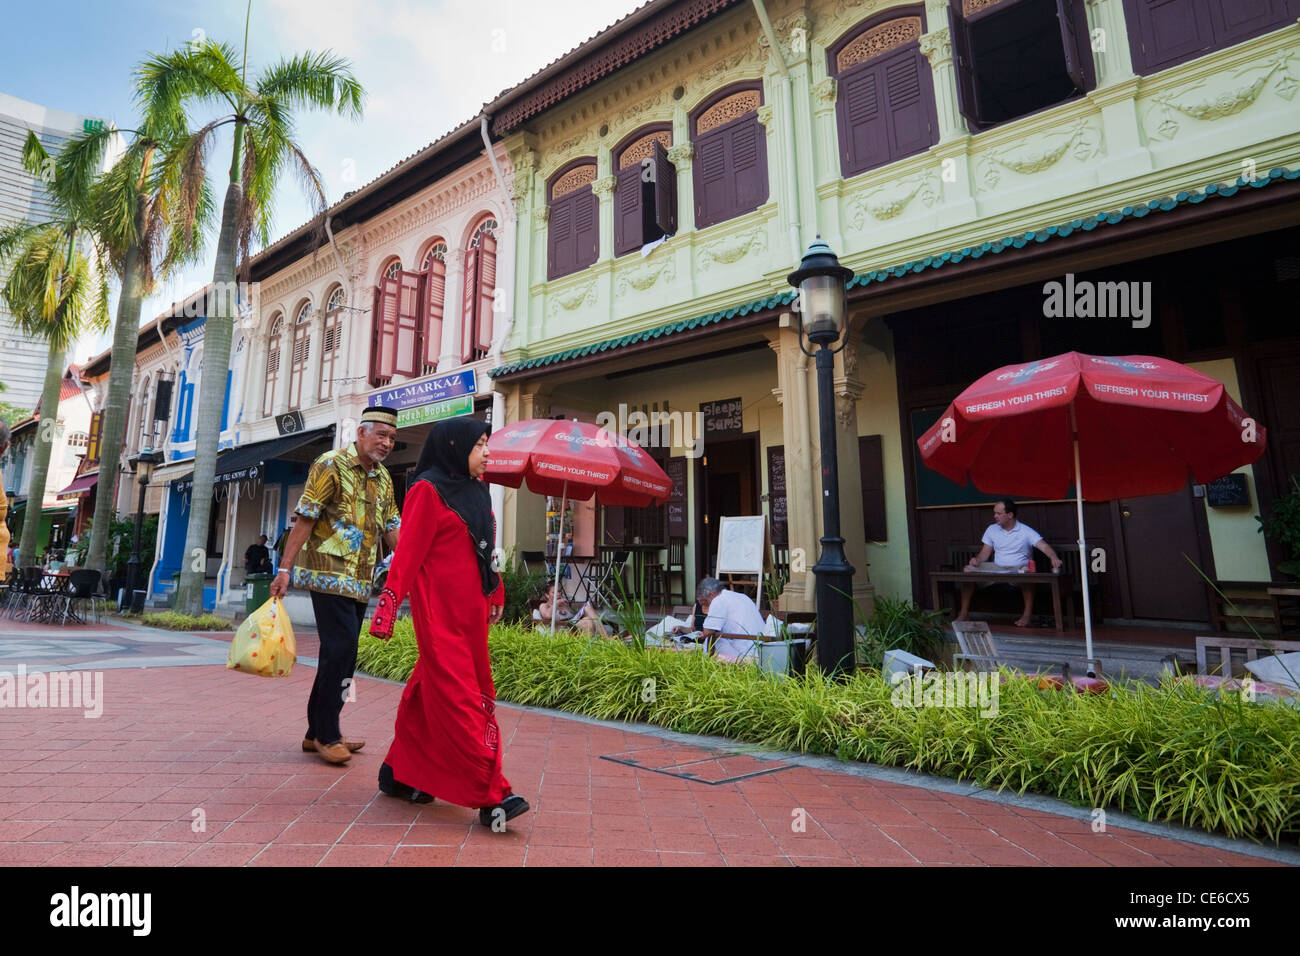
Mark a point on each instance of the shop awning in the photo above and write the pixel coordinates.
(246, 463)
(80, 486)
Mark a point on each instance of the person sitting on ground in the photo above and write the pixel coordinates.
(584, 619)
(728, 612)
(1010, 542)
(257, 559)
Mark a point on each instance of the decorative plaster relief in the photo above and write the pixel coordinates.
(1083, 140)
(733, 248)
(681, 154)
(571, 299)
(889, 200)
(644, 277)
(937, 47)
(542, 214)
(792, 35)
(1193, 101)
(765, 118)
(824, 94)
(604, 186)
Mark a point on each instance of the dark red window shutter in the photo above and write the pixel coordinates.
(628, 211)
(871, 470)
(749, 163)
(714, 188)
(1164, 33)
(383, 352)
(586, 227)
(435, 294)
(560, 259)
(487, 268)
(1238, 20)
(407, 345)
(864, 135)
(967, 104)
(1075, 43)
(665, 191)
(469, 299)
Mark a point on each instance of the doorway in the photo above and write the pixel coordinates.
(1157, 531)
(728, 483)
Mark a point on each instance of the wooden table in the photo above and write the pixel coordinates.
(1014, 578)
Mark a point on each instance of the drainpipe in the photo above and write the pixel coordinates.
(498, 399)
(496, 167)
(792, 176)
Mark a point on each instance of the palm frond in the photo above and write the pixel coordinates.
(165, 82)
(313, 80)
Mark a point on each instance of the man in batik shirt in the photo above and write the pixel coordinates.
(346, 506)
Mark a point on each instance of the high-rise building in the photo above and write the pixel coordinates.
(22, 197)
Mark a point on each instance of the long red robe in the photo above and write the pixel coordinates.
(446, 741)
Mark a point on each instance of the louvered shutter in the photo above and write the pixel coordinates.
(1074, 36)
(383, 354)
(468, 301)
(407, 345)
(94, 437)
(864, 134)
(434, 296)
(487, 284)
(559, 239)
(665, 191)
(1165, 32)
(714, 188)
(910, 98)
(749, 163)
(272, 375)
(628, 207)
(330, 346)
(1238, 20)
(298, 363)
(586, 227)
(967, 102)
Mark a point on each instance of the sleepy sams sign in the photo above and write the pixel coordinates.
(425, 391)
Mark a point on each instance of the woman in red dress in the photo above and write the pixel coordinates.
(446, 742)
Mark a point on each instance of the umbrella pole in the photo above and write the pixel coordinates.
(559, 556)
(1083, 551)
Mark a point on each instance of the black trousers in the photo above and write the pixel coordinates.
(338, 620)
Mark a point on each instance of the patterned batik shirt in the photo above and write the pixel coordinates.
(352, 508)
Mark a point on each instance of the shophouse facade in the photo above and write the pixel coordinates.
(959, 156)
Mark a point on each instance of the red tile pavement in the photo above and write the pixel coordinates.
(196, 765)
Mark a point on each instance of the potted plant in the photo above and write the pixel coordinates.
(1283, 526)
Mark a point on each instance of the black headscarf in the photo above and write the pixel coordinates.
(444, 463)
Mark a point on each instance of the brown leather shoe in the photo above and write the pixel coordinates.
(333, 753)
(309, 745)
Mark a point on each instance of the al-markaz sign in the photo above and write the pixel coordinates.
(437, 388)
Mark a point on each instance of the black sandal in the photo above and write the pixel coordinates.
(509, 808)
(388, 784)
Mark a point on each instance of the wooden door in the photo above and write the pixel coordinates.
(1157, 531)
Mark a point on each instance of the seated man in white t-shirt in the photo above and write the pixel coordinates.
(728, 612)
(1010, 543)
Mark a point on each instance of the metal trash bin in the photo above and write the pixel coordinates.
(257, 591)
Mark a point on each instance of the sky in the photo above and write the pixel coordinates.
(426, 65)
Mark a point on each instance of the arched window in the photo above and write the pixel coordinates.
(573, 230)
(645, 189)
(433, 266)
(479, 291)
(730, 164)
(331, 341)
(272, 365)
(395, 347)
(301, 354)
(392, 269)
(885, 106)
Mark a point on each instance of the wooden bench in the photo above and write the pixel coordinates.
(1014, 578)
(1226, 645)
(1251, 600)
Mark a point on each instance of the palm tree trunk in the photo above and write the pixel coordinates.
(113, 428)
(47, 432)
(217, 333)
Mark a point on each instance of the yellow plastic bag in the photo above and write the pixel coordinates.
(264, 643)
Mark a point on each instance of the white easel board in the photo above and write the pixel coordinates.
(742, 545)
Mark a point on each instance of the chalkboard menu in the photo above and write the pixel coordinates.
(776, 499)
(724, 418)
(1227, 491)
(675, 468)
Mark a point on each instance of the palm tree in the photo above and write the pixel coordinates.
(133, 207)
(261, 112)
(55, 291)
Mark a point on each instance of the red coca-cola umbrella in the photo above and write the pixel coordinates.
(575, 460)
(1113, 426)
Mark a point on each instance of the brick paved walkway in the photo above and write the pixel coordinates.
(184, 740)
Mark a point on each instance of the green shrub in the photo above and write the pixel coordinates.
(897, 624)
(1172, 753)
(175, 621)
(521, 587)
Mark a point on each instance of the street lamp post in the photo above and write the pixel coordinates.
(144, 472)
(821, 310)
